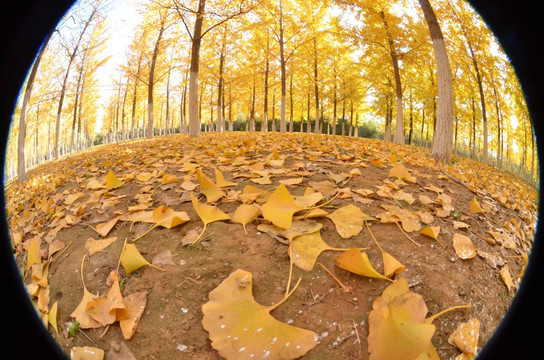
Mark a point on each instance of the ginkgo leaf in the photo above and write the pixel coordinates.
(396, 324)
(33, 253)
(401, 172)
(132, 259)
(280, 207)
(357, 262)
(240, 328)
(250, 194)
(475, 207)
(207, 213)
(220, 180)
(52, 316)
(464, 248)
(349, 220)
(207, 187)
(86, 353)
(112, 181)
(108, 308)
(305, 249)
(298, 228)
(104, 228)
(135, 306)
(432, 231)
(391, 265)
(169, 179)
(244, 214)
(80, 313)
(506, 277)
(92, 246)
(465, 337)
(308, 200)
(169, 218)
(144, 176)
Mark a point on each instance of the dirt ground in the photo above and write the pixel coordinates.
(171, 327)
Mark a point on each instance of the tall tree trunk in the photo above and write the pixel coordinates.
(194, 121)
(135, 96)
(442, 140)
(21, 161)
(283, 74)
(291, 115)
(151, 83)
(334, 106)
(316, 88)
(76, 100)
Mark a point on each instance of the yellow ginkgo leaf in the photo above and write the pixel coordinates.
(250, 193)
(169, 179)
(104, 228)
(308, 199)
(86, 353)
(108, 308)
(132, 259)
(207, 213)
(169, 218)
(396, 325)
(93, 246)
(391, 265)
(432, 231)
(112, 182)
(465, 337)
(135, 306)
(506, 277)
(52, 316)
(244, 214)
(80, 313)
(207, 187)
(401, 172)
(357, 262)
(33, 253)
(475, 207)
(240, 328)
(280, 207)
(298, 228)
(464, 248)
(144, 176)
(220, 180)
(349, 220)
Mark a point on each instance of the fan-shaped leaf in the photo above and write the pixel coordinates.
(280, 207)
(240, 328)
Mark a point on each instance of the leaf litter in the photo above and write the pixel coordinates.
(226, 202)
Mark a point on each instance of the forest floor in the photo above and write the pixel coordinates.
(67, 204)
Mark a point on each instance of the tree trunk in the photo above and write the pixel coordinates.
(316, 89)
(194, 121)
(152, 81)
(291, 115)
(283, 126)
(21, 162)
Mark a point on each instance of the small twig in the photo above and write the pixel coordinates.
(358, 338)
(344, 287)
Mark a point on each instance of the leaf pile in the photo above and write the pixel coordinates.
(310, 194)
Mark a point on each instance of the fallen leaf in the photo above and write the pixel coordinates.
(103, 229)
(464, 248)
(465, 337)
(241, 328)
(432, 232)
(112, 182)
(401, 172)
(357, 262)
(80, 313)
(169, 218)
(52, 317)
(135, 305)
(169, 179)
(349, 220)
(132, 259)
(207, 213)
(506, 277)
(280, 207)
(93, 246)
(298, 228)
(86, 353)
(108, 308)
(475, 207)
(207, 187)
(396, 324)
(244, 214)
